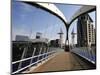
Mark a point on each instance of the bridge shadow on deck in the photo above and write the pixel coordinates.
(64, 61)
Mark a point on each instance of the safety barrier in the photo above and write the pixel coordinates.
(23, 64)
(87, 53)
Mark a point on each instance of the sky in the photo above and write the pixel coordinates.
(27, 20)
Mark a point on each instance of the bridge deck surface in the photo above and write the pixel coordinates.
(62, 61)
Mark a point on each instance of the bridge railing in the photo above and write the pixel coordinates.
(23, 64)
(86, 52)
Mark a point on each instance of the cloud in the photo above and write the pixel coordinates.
(19, 31)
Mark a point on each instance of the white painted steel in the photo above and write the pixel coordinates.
(82, 10)
(51, 7)
(29, 58)
(32, 63)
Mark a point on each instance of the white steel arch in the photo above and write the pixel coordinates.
(54, 10)
(50, 7)
(81, 11)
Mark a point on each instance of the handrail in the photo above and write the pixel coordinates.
(30, 57)
(20, 69)
(85, 53)
(29, 65)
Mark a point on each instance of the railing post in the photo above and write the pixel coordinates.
(43, 53)
(39, 53)
(33, 55)
(47, 52)
(22, 58)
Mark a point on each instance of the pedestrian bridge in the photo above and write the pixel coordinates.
(49, 59)
(55, 59)
(62, 61)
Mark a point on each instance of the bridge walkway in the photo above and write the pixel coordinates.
(63, 61)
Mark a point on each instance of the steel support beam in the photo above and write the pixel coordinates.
(83, 10)
(49, 7)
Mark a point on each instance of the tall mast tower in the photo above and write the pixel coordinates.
(73, 37)
(61, 38)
